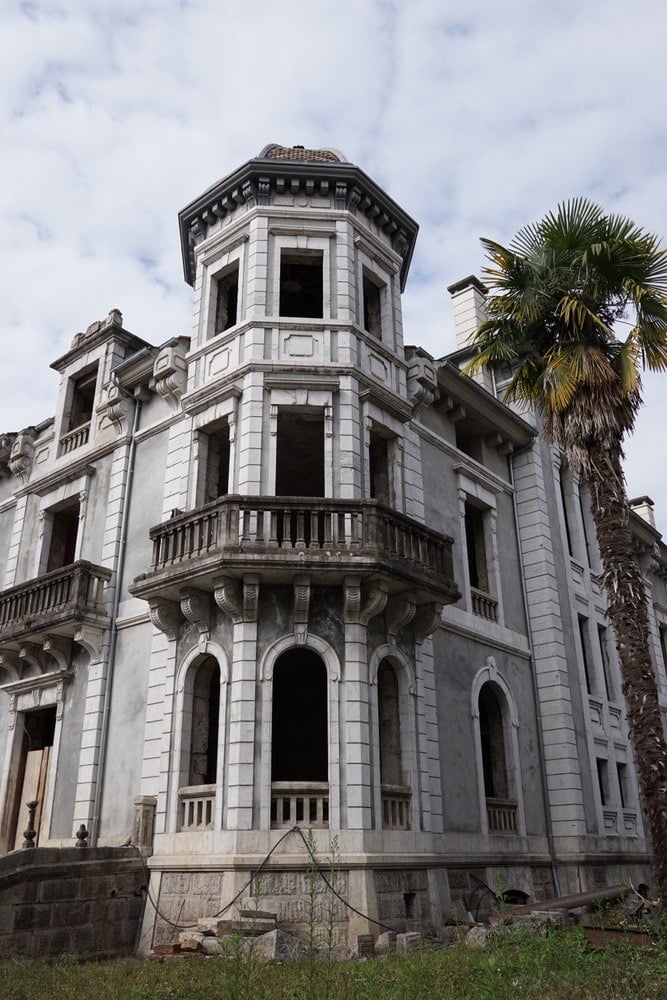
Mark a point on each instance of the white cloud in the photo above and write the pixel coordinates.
(475, 118)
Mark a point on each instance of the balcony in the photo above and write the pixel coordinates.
(484, 605)
(277, 536)
(195, 807)
(396, 807)
(55, 603)
(299, 802)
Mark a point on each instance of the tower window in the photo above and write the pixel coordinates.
(83, 398)
(372, 295)
(301, 285)
(227, 299)
(64, 533)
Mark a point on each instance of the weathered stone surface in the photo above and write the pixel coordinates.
(365, 946)
(252, 926)
(190, 940)
(213, 926)
(386, 942)
(452, 934)
(408, 942)
(477, 937)
(211, 946)
(276, 944)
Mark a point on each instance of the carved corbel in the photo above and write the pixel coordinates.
(22, 455)
(31, 657)
(196, 607)
(165, 616)
(59, 649)
(170, 373)
(399, 612)
(426, 621)
(229, 597)
(422, 383)
(11, 664)
(120, 408)
(301, 607)
(362, 604)
(91, 639)
(250, 597)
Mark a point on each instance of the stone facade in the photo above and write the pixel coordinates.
(288, 572)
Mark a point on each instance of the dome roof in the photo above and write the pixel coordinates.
(275, 152)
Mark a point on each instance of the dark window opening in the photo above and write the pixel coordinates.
(64, 532)
(585, 659)
(83, 398)
(476, 548)
(602, 780)
(372, 295)
(204, 723)
(566, 518)
(584, 526)
(492, 738)
(622, 776)
(300, 455)
(410, 903)
(378, 461)
(663, 647)
(300, 731)
(604, 655)
(215, 459)
(227, 299)
(301, 285)
(32, 772)
(391, 769)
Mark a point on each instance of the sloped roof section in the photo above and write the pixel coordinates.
(301, 154)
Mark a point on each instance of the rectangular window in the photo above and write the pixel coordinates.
(606, 665)
(372, 293)
(378, 461)
(602, 780)
(64, 533)
(663, 646)
(566, 519)
(83, 399)
(476, 548)
(300, 455)
(585, 656)
(301, 284)
(584, 526)
(622, 775)
(214, 464)
(227, 298)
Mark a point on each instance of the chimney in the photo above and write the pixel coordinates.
(468, 299)
(644, 507)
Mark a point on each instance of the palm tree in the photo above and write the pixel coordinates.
(577, 306)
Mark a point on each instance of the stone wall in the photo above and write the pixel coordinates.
(84, 902)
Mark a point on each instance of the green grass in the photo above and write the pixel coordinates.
(559, 967)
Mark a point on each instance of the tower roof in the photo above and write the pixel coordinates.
(275, 152)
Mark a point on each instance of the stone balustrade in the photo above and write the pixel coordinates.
(61, 597)
(299, 802)
(484, 605)
(501, 815)
(396, 807)
(195, 807)
(297, 531)
(74, 439)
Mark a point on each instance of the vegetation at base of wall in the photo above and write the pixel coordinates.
(558, 967)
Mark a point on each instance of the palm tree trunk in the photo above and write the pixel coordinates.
(628, 613)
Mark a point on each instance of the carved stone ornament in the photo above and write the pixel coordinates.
(426, 621)
(422, 383)
(91, 639)
(196, 607)
(120, 409)
(170, 373)
(228, 597)
(362, 604)
(58, 648)
(301, 607)
(165, 616)
(22, 455)
(399, 612)
(10, 665)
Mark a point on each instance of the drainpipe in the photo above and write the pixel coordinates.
(533, 677)
(113, 639)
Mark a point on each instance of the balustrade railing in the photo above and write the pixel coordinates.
(395, 807)
(501, 815)
(196, 805)
(298, 802)
(75, 438)
(238, 524)
(78, 587)
(484, 605)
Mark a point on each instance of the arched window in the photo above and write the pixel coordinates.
(395, 791)
(204, 725)
(300, 740)
(500, 808)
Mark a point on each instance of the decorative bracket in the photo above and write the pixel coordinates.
(165, 616)
(399, 613)
(22, 455)
(59, 649)
(363, 603)
(91, 639)
(301, 607)
(426, 620)
(10, 663)
(238, 600)
(196, 607)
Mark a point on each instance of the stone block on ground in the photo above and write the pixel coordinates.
(276, 944)
(252, 926)
(365, 946)
(408, 942)
(453, 933)
(190, 940)
(477, 937)
(211, 946)
(386, 942)
(258, 915)
(215, 926)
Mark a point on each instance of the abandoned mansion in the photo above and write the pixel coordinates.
(289, 572)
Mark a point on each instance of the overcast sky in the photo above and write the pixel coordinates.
(477, 117)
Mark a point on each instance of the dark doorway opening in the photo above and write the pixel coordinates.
(299, 750)
(300, 455)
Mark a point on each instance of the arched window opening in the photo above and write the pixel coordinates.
(396, 793)
(500, 808)
(299, 747)
(197, 798)
(32, 770)
(205, 717)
